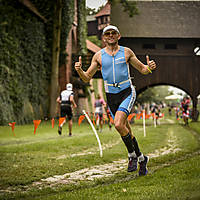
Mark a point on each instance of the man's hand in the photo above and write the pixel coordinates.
(78, 64)
(151, 64)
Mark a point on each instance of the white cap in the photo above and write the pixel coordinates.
(69, 86)
(110, 27)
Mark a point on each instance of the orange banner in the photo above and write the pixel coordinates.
(93, 120)
(147, 116)
(12, 125)
(61, 120)
(81, 118)
(138, 116)
(111, 119)
(131, 116)
(36, 124)
(52, 122)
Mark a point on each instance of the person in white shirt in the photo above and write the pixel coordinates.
(66, 99)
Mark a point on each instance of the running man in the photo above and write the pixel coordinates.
(65, 100)
(99, 104)
(185, 109)
(114, 60)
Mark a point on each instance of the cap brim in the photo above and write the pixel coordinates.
(110, 27)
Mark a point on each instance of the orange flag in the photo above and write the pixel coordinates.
(131, 116)
(93, 119)
(12, 125)
(61, 120)
(36, 124)
(104, 118)
(139, 116)
(52, 122)
(81, 118)
(111, 119)
(147, 116)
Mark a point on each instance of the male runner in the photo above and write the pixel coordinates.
(113, 60)
(65, 100)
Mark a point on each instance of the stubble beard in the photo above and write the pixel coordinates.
(112, 44)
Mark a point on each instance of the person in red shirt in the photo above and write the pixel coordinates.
(185, 109)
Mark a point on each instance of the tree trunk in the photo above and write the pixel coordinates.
(55, 58)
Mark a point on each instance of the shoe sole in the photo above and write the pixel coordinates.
(146, 168)
(59, 130)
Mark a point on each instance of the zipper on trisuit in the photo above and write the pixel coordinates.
(113, 70)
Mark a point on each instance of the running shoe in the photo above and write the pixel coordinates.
(70, 134)
(143, 166)
(132, 164)
(59, 130)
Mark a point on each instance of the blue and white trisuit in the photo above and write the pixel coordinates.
(120, 92)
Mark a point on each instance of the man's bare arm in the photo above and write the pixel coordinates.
(58, 100)
(86, 76)
(135, 62)
(73, 102)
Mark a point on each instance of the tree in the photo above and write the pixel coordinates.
(129, 6)
(90, 11)
(55, 57)
(155, 94)
(146, 96)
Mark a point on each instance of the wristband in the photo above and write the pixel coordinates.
(149, 69)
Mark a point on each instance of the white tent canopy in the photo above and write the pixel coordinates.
(173, 96)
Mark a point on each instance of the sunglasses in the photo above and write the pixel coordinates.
(107, 33)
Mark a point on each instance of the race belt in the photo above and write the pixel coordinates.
(117, 84)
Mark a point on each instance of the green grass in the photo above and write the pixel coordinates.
(175, 182)
(27, 158)
(195, 126)
(166, 183)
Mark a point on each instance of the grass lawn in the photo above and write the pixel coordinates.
(29, 161)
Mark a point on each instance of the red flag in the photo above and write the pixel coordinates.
(12, 125)
(52, 122)
(36, 124)
(81, 118)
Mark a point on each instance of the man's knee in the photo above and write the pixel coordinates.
(70, 122)
(118, 125)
